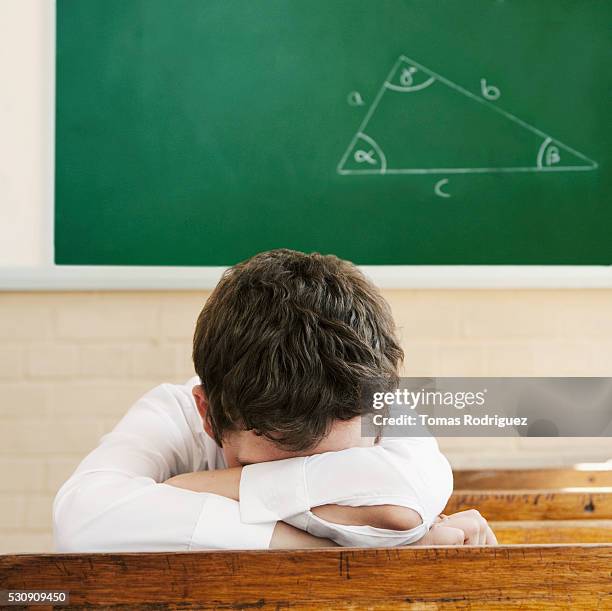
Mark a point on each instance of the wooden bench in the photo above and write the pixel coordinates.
(553, 531)
(590, 476)
(525, 576)
(548, 504)
(540, 505)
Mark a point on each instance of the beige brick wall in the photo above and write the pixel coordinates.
(72, 363)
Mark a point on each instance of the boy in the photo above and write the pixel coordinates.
(263, 447)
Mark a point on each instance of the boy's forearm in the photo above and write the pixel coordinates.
(226, 482)
(391, 517)
(286, 536)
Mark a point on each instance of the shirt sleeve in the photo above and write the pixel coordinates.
(116, 499)
(357, 536)
(411, 472)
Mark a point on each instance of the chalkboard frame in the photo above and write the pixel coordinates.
(51, 277)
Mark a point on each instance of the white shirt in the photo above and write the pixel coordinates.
(116, 499)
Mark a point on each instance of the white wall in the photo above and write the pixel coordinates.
(26, 88)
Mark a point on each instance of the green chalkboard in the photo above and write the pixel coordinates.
(199, 132)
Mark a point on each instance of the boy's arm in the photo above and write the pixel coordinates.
(349, 496)
(466, 527)
(116, 501)
(408, 472)
(286, 536)
(226, 482)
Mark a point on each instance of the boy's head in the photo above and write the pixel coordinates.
(284, 347)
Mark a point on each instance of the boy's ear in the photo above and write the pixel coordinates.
(202, 404)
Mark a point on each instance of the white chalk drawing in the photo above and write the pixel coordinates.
(354, 99)
(368, 152)
(439, 188)
(490, 92)
(407, 103)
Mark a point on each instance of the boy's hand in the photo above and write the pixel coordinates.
(462, 528)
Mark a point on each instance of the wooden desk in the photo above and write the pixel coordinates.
(532, 577)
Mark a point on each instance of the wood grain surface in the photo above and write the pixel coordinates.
(572, 504)
(512, 479)
(553, 531)
(529, 577)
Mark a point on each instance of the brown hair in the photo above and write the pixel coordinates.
(286, 344)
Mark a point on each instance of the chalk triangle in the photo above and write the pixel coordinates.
(423, 123)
